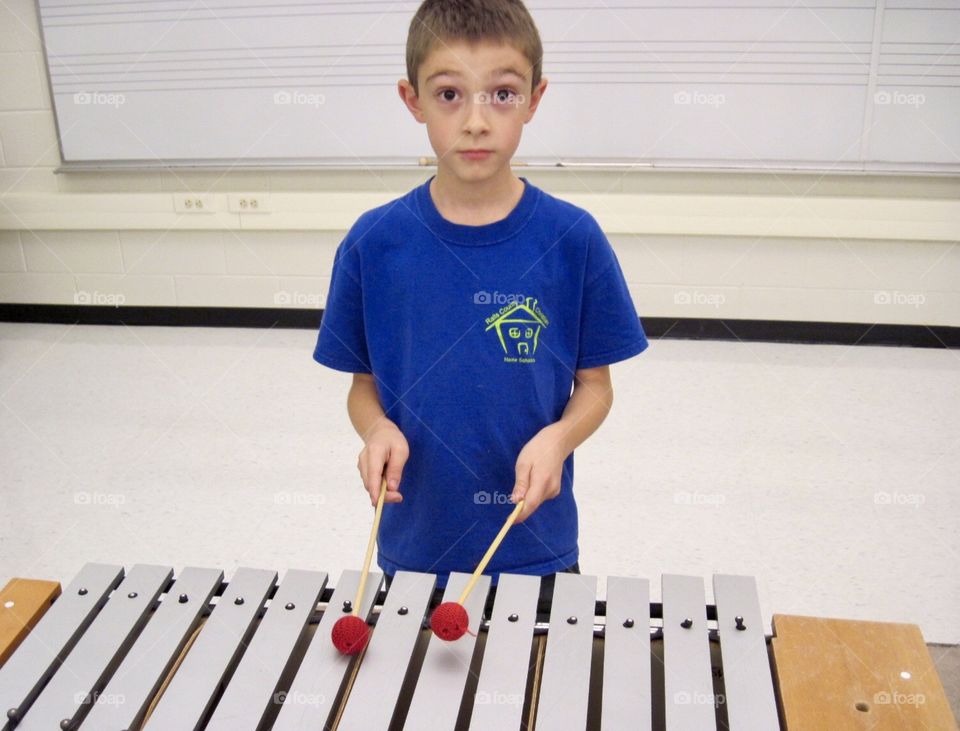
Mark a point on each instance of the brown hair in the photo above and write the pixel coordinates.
(439, 21)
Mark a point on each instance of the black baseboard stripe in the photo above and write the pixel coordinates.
(164, 316)
(774, 331)
(791, 331)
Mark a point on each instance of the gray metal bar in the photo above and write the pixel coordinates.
(687, 679)
(377, 686)
(51, 640)
(443, 675)
(498, 702)
(565, 685)
(213, 655)
(73, 688)
(748, 683)
(308, 703)
(626, 700)
(123, 702)
(252, 689)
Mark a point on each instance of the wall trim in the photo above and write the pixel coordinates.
(651, 213)
(775, 331)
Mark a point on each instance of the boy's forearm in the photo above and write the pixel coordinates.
(365, 410)
(588, 406)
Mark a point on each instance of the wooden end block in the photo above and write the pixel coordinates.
(22, 603)
(840, 673)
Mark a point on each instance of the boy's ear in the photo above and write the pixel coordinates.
(410, 98)
(535, 97)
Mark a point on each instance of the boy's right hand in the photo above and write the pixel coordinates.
(385, 453)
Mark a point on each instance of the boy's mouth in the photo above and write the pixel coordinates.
(476, 154)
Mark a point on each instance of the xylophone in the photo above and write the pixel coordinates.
(141, 649)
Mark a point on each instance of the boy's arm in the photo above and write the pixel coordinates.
(384, 443)
(540, 463)
(588, 406)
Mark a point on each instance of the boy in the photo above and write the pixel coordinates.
(467, 309)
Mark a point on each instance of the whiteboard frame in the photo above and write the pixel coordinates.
(759, 167)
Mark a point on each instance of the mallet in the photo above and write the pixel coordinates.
(350, 633)
(450, 620)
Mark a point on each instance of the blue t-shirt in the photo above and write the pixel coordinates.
(474, 334)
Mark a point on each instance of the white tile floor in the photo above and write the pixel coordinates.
(829, 472)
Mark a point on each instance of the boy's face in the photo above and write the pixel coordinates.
(473, 97)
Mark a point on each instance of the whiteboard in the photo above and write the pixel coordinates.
(825, 85)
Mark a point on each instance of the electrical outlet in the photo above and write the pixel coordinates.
(193, 203)
(249, 203)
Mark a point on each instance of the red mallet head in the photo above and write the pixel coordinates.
(449, 621)
(350, 634)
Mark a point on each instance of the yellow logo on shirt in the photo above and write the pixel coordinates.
(518, 327)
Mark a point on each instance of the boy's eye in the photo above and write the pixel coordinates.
(501, 96)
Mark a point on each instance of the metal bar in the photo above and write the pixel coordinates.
(443, 675)
(687, 679)
(498, 701)
(42, 651)
(626, 699)
(123, 702)
(192, 690)
(565, 687)
(253, 686)
(309, 701)
(72, 690)
(748, 683)
(377, 686)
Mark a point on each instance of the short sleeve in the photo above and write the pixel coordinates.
(342, 341)
(610, 328)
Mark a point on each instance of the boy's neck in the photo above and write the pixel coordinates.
(475, 203)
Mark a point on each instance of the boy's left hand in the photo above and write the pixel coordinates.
(539, 470)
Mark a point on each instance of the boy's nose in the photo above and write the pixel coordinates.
(476, 120)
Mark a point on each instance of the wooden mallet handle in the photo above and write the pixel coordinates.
(490, 551)
(370, 544)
